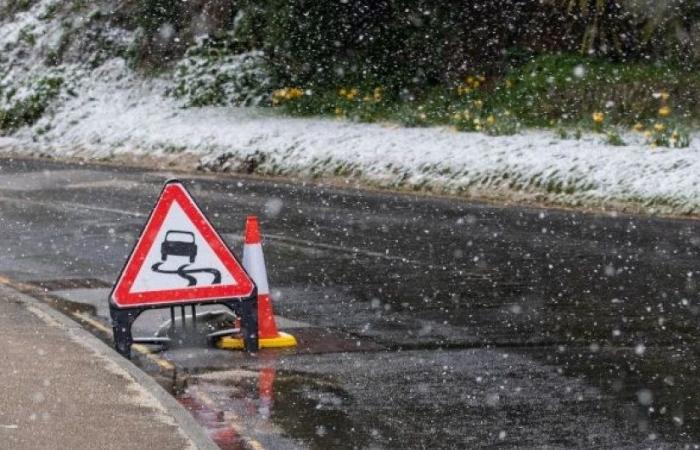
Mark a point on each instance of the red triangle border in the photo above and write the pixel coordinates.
(174, 191)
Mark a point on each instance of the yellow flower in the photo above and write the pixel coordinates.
(342, 92)
(478, 103)
(339, 111)
(664, 96)
(659, 127)
(509, 84)
(598, 117)
(377, 94)
(638, 126)
(481, 78)
(490, 120)
(664, 111)
(648, 135)
(351, 94)
(464, 90)
(278, 95)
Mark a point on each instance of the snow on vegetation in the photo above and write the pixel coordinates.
(95, 106)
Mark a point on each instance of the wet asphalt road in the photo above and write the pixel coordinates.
(436, 323)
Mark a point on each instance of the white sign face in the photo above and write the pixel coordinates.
(179, 258)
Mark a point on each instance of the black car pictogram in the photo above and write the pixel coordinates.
(178, 243)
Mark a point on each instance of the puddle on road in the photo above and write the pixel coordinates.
(279, 407)
(314, 410)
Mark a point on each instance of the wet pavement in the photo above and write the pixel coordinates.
(423, 322)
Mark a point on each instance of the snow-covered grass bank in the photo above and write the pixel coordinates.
(115, 115)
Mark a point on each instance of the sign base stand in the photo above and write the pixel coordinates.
(246, 308)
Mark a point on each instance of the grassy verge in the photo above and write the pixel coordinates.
(566, 93)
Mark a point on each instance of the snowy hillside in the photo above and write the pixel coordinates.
(99, 108)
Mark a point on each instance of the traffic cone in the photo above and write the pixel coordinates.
(254, 264)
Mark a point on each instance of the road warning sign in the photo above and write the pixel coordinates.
(179, 258)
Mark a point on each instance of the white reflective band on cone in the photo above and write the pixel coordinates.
(254, 264)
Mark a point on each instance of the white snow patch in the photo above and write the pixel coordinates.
(115, 114)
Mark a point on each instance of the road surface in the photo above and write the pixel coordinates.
(425, 322)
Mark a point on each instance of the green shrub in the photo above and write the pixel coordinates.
(212, 73)
(406, 44)
(26, 109)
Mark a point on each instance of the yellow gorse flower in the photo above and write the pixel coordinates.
(598, 117)
(285, 94)
(471, 83)
(664, 111)
(348, 94)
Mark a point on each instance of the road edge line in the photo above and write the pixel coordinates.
(182, 417)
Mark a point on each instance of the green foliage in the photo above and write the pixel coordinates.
(212, 73)
(11, 7)
(404, 44)
(562, 92)
(568, 88)
(23, 110)
(659, 30)
(614, 138)
(26, 35)
(50, 11)
(667, 133)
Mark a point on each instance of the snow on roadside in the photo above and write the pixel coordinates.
(116, 114)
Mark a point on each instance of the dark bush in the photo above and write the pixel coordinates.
(416, 42)
(402, 42)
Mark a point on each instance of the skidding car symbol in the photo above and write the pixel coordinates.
(178, 243)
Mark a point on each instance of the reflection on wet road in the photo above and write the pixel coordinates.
(422, 322)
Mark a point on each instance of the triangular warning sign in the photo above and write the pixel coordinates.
(179, 258)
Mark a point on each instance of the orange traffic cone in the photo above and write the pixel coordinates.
(254, 264)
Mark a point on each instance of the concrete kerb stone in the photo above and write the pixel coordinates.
(183, 419)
